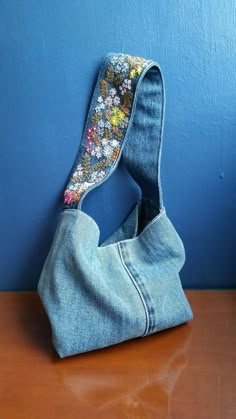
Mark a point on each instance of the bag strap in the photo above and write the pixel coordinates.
(125, 117)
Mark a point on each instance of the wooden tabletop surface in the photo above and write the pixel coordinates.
(187, 372)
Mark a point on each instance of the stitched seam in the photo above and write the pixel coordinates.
(137, 288)
(146, 296)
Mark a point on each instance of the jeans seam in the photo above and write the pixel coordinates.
(137, 288)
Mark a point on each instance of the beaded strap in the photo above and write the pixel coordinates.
(106, 124)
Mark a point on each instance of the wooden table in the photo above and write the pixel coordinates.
(184, 373)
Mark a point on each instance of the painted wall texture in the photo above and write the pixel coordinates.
(50, 54)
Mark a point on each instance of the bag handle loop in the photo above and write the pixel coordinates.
(125, 117)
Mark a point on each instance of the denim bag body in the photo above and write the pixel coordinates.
(99, 294)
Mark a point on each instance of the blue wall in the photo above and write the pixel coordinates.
(50, 54)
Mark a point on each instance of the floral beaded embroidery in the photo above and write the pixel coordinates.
(107, 125)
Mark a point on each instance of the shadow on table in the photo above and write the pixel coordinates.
(131, 380)
(134, 379)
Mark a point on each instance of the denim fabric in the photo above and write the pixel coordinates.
(128, 286)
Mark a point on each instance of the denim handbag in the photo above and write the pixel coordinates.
(99, 294)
